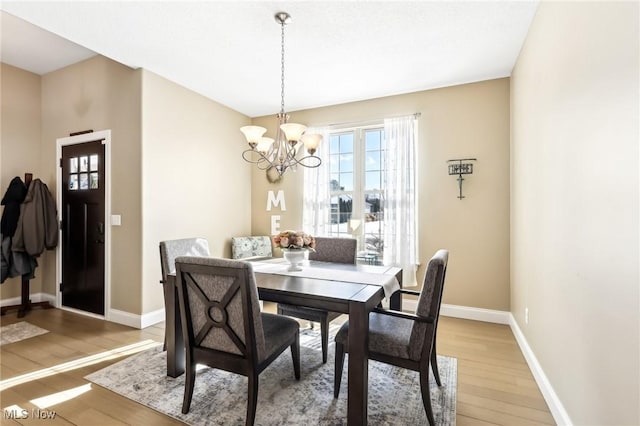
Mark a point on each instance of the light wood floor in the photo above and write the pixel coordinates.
(495, 386)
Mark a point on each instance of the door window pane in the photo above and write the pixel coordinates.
(84, 180)
(93, 163)
(93, 180)
(73, 165)
(84, 164)
(73, 182)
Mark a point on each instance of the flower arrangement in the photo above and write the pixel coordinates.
(294, 240)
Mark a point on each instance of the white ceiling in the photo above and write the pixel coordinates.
(336, 51)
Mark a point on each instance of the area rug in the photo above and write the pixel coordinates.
(219, 397)
(19, 331)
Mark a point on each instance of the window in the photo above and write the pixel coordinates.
(357, 164)
(366, 188)
(83, 172)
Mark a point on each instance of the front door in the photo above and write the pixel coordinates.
(83, 226)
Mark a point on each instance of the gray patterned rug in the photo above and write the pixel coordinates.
(219, 398)
(19, 331)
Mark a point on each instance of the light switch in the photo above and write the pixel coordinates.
(115, 220)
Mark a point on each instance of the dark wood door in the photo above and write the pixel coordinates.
(83, 227)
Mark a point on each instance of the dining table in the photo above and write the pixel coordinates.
(354, 290)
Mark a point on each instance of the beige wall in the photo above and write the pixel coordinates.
(574, 210)
(194, 182)
(101, 94)
(20, 147)
(464, 121)
(189, 183)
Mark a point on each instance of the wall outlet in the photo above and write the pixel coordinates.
(526, 315)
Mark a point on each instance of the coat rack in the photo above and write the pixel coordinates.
(25, 303)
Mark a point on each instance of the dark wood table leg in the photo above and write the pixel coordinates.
(358, 384)
(173, 330)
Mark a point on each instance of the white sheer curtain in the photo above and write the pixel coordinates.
(400, 206)
(316, 207)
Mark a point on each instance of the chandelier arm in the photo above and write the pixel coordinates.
(301, 161)
(259, 162)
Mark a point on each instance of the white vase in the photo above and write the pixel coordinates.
(295, 257)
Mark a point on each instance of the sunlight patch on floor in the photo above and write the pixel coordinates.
(59, 397)
(79, 363)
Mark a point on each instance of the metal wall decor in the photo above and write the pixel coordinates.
(457, 166)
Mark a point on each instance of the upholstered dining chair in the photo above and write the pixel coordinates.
(251, 247)
(224, 328)
(336, 250)
(169, 251)
(402, 339)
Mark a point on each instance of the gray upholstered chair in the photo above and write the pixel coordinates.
(336, 250)
(402, 339)
(223, 326)
(169, 251)
(251, 247)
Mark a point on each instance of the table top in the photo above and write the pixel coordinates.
(316, 293)
(383, 276)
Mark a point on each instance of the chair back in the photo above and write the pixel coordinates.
(429, 304)
(251, 247)
(337, 250)
(219, 307)
(171, 249)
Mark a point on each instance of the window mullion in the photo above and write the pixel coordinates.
(358, 193)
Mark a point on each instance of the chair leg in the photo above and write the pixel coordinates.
(426, 394)
(324, 334)
(252, 401)
(338, 369)
(295, 355)
(190, 380)
(434, 364)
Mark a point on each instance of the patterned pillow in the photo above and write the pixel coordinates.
(250, 247)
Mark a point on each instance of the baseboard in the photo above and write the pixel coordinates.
(125, 318)
(135, 320)
(465, 312)
(152, 318)
(558, 411)
(34, 297)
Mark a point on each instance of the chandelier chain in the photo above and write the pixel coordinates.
(282, 69)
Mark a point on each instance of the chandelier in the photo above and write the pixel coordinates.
(281, 154)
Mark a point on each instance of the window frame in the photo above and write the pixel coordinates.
(359, 191)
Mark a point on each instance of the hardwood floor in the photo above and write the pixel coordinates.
(495, 385)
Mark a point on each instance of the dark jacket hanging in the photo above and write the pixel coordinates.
(14, 264)
(16, 192)
(37, 228)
